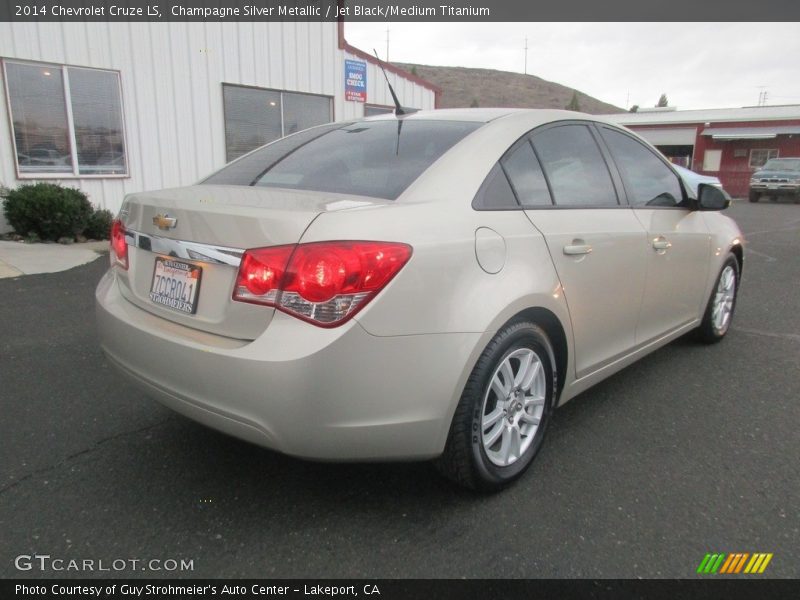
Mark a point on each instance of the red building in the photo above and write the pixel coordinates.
(730, 143)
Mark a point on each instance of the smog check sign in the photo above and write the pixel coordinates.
(355, 80)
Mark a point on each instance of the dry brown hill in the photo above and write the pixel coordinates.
(463, 87)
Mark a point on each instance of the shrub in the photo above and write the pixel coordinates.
(99, 227)
(48, 211)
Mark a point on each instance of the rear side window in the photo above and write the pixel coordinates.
(369, 158)
(648, 181)
(526, 177)
(496, 192)
(574, 166)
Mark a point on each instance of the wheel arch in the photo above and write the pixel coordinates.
(549, 313)
(738, 252)
(552, 326)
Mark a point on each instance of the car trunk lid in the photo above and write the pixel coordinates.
(185, 245)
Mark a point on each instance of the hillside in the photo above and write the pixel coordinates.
(463, 86)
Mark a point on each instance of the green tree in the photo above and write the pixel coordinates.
(662, 101)
(634, 108)
(474, 103)
(574, 104)
(414, 71)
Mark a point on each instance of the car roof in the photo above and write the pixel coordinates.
(478, 115)
(485, 115)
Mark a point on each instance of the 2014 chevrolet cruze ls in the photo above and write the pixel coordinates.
(425, 286)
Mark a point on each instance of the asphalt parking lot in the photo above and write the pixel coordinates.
(692, 450)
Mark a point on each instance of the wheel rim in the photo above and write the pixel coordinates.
(723, 300)
(513, 406)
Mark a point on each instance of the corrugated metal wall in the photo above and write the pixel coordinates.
(172, 75)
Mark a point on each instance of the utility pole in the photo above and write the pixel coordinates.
(762, 95)
(526, 55)
(387, 44)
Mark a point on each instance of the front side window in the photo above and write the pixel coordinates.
(66, 120)
(649, 182)
(367, 158)
(256, 116)
(574, 166)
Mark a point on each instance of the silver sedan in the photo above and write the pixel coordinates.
(428, 286)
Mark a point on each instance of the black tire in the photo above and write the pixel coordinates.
(754, 196)
(708, 332)
(465, 460)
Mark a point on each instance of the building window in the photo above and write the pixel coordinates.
(66, 121)
(712, 159)
(256, 116)
(759, 156)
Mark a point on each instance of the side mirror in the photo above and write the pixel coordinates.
(711, 197)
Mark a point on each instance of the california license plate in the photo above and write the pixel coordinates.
(175, 285)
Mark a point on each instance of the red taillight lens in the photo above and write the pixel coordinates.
(319, 272)
(325, 283)
(261, 273)
(119, 247)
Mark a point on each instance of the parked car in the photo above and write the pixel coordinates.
(428, 286)
(778, 177)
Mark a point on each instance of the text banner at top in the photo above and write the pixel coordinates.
(400, 11)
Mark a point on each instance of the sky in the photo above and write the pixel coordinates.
(697, 65)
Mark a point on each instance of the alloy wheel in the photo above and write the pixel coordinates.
(513, 406)
(723, 300)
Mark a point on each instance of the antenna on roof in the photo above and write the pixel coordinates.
(398, 109)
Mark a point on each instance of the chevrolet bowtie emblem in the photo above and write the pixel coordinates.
(165, 222)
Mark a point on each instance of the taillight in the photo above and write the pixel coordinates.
(119, 247)
(324, 283)
(261, 273)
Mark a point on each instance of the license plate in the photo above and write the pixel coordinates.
(772, 186)
(175, 285)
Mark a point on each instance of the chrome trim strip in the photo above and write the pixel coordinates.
(220, 255)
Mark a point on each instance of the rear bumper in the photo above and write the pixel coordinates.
(330, 394)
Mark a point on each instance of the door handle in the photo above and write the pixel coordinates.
(576, 249)
(661, 243)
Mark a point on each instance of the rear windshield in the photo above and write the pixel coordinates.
(368, 158)
(782, 164)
